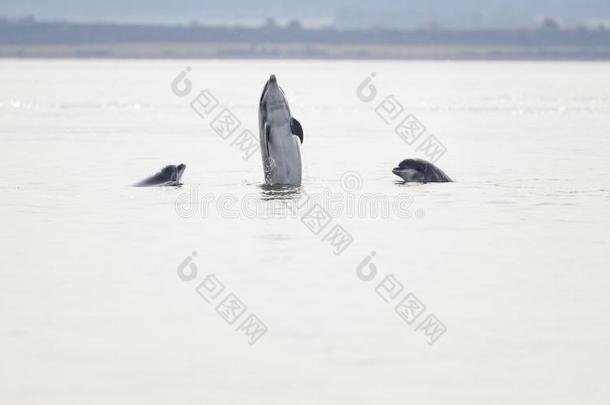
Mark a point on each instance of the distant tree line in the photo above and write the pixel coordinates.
(30, 31)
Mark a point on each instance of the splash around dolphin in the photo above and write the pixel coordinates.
(280, 136)
(420, 171)
(168, 176)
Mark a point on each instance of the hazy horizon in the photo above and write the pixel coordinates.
(462, 14)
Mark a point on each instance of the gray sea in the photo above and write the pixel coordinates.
(354, 288)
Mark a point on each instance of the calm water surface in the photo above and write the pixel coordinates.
(512, 257)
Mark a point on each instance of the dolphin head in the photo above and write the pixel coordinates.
(273, 106)
(172, 173)
(411, 170)
(179, 171)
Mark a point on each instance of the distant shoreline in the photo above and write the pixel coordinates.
(299, 51)
(30, 38)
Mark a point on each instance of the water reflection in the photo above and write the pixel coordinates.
(279, 192)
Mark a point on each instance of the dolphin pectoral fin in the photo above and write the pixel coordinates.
(296, 128)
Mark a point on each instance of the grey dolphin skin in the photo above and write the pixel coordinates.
(280, 137)
(420, 171)
(168, 176)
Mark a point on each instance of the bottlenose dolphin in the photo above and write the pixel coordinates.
(168, 176)
(420, 171)
(280, 137)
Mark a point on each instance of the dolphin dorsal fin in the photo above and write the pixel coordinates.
(296, 128)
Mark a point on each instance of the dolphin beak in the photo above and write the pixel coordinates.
(272, 79)
(396, 170)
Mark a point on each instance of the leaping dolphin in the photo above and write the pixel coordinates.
(168, 176)
(420, 171)
(280, 137)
